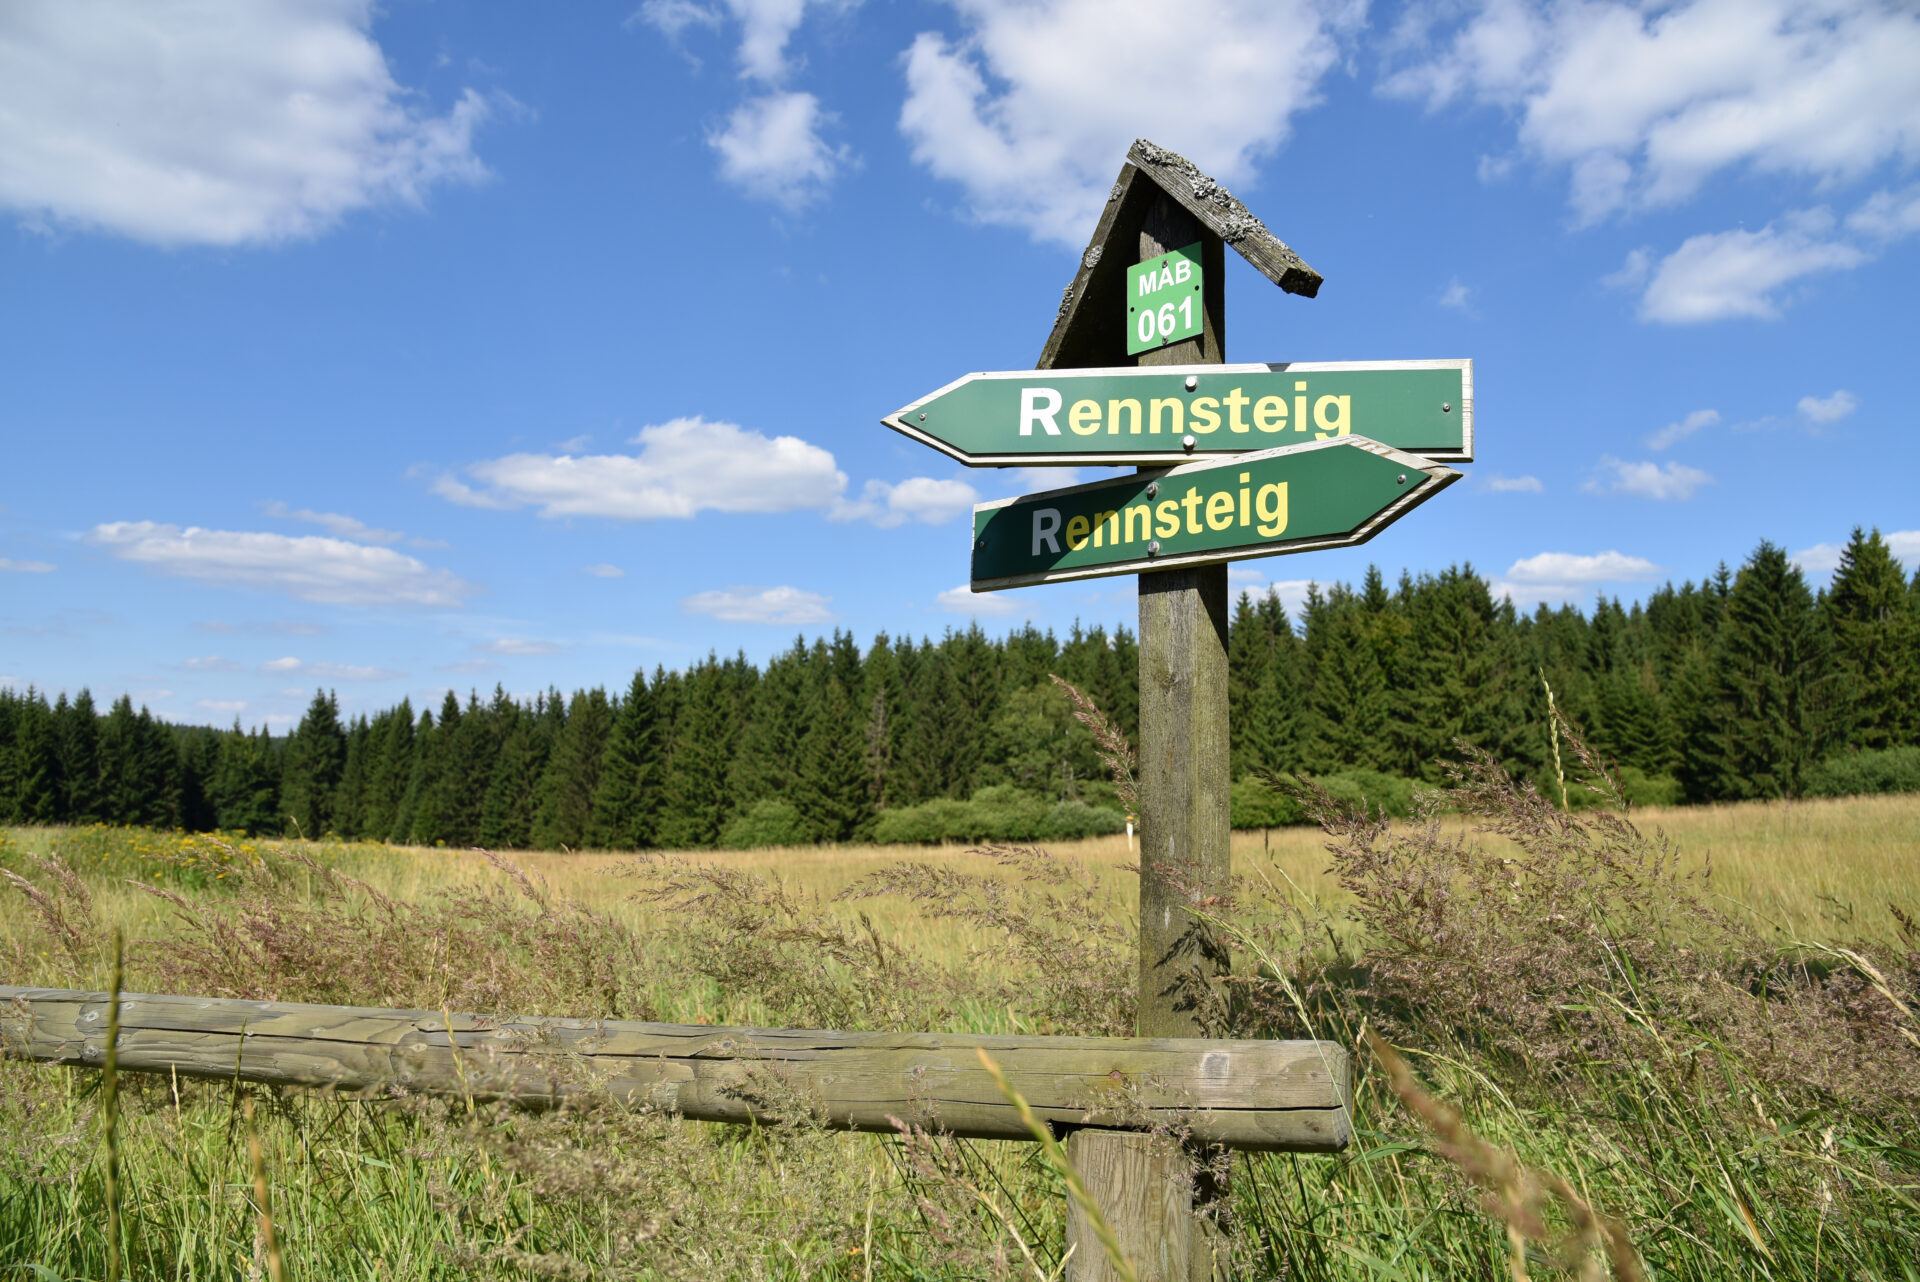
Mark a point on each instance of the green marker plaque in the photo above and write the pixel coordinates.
(1164, 300)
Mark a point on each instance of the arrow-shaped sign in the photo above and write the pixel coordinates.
(1322, 494)
(1157, 414)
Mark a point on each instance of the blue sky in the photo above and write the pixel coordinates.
(423, 345)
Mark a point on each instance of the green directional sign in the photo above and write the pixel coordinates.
(1297, 498)
(1164, 302)
(1159, 414)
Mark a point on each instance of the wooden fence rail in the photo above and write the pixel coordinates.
(1263, 1095)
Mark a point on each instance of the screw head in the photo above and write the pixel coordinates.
(1153, 488)
(1403, 478)
(981, 544)
(923, 417)
(1446, 407)
(1153, 548)
(1186, 442)
(1193, 381)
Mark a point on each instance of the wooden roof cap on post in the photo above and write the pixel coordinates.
(1094, 303)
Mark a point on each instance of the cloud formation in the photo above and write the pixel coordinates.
(918, 498)
(1673, 433)
(984, 605)
(1555, 578)
(10, 566)
(684, 467)
(773, 145)
(760, 605)
(1671, 480)
(312, 568)
(1030, 106)
(324, 671)
(1495, 483)
(1824, 558)
(1641, 104)
(1828, 409)
(345, 527)
(180, 122)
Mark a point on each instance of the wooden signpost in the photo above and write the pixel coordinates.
(1237, 461)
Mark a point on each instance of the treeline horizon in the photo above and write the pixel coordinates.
(1743, 686)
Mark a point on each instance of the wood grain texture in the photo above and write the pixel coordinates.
(1169, 1229)
(1288, 1096)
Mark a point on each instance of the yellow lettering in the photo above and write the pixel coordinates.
(1273, 515)
(1244, 478)
(1235, 401)
(1179, 415)
(1113, 417)
(1191, 501)
(1206, 412)
(1084, 417)
(1145, 512)
(1270, 415)
(1219, 511)
(1077, 533)
(1168, 515)
(1108, 524)
(1340, 423)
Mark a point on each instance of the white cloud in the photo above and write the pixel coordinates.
(1829, 409)
(964, 600)
(684, 467)
(1499, 484)
(211, 663)
(760, 605)
(1032, 107)
(918, 498)
(1824, 558)
(1022, 480)
(345, 527)
(324, 671)
(1292, 592)
(207, 122)
(1647, 480)
(518, 646)
(771, 148)
(223, 706)
(10, 566)
(325, 570)
(1673, 433)
(1720, 275)
(1457, 296)
(469, 665)
(1571, 567)
(1887, 216)
(604, 571)
(1643, 103)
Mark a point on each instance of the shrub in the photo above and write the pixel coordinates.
(1855, 774)
(770, 822)
(1256, 805)
(1000, 813)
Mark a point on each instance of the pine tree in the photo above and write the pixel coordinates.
(886, 692)
(350, 797)
(695, 802)
(79, 738)
(768, 759)
(831, 791)
(245, 789)
(1876, 640)
(37, 791)
(1347, 701)
(1775, 680)
(626, 804)
(316, 758)
(564, 804)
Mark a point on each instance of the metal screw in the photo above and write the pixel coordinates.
(1446, 407)
(923, 418)
(982, 543)
(1153, 548)
(1193, 381)
(1153, 488)
(1403, 478)
(1186, 442)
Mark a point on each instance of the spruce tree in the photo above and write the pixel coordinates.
(316, 758)
(564, 805)
(831, 791)
(694, 804)
(37, 791)
(79, 739)
(1876, 640)
(626, 804)
(1775, 680)
(768, 759)
(245, 789)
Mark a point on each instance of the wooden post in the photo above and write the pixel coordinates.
(1161, 1201)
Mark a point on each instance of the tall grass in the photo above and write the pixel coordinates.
(1637, 1035)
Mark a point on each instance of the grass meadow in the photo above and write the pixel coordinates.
(1697, 1024)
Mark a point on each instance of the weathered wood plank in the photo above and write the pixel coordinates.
(1244, 1094)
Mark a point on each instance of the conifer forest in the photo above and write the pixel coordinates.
(1746, 685)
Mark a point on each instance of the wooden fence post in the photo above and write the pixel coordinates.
(1160, 1199)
